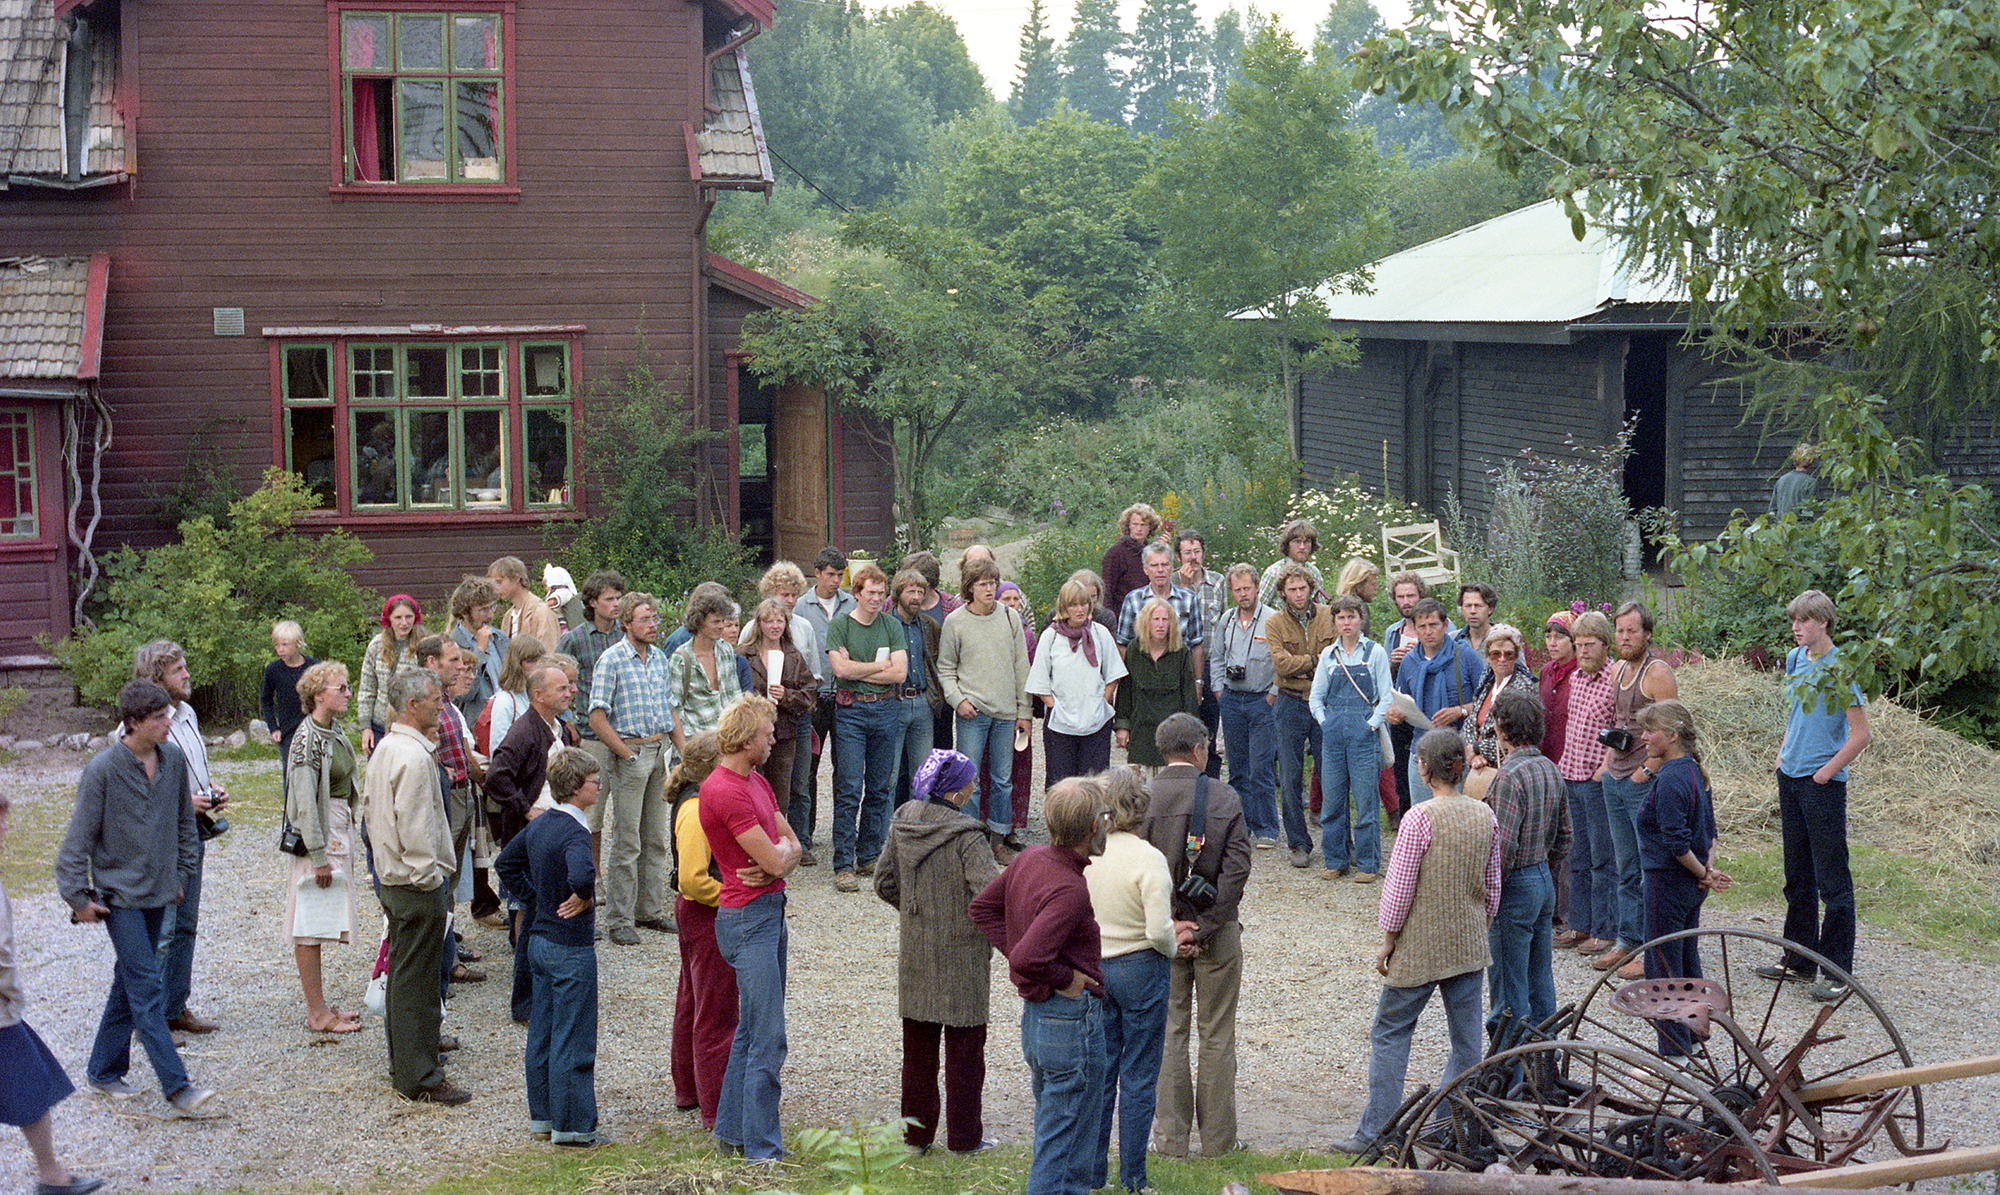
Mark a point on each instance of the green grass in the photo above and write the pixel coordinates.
(1902, 895)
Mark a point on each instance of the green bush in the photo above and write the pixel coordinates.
(1058, 551)
(216, 593)
(1558, 524)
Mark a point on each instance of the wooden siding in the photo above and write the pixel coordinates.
(866, 482)
(34, 574)
(1516, 396)
(1347, 415)
(231, 209)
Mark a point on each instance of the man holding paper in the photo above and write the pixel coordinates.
(1441, 676)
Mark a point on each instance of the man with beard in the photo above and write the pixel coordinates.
(923, 693)
(1297, 634)
(1406, 590)
(630, 714)
(1443, 674)
(1037, 912)
(1640, 679)
(1213, 594)
(870, 661)
(1593, 866)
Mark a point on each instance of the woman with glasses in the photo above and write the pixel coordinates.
(1506, 655)
(319, 805)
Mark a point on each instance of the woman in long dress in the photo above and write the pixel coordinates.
(319, 804)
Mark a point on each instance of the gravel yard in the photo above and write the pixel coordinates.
(316, 1111)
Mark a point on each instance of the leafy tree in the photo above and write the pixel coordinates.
(1092, 82)
(835, 101)
(932, 56)
(1347, 27)
(1789, 161)
(1266, 200)
(217, 590)
(1036, 84)
(1424, 203)
(1169, 62)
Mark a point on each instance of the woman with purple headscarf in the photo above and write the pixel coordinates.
(935, 861)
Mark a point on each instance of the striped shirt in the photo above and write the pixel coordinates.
(632, 690)
(1591, 697)
(697, 704)
(1185, 602)
(1530, 802)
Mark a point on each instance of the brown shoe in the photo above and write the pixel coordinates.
(1569, 939)
(1365, 877)
(845, 881)
(1333, 873)
(1610, 958)
(1634, 969)
(188, 1022)
(1594, 946)
(444, 1092)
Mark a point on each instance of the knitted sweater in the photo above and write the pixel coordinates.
(933, 863)
(1131, 893)
(983, 658)
(1443, 931)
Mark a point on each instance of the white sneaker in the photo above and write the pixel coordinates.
(192, 1103)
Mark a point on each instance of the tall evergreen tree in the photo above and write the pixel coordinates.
(1169, 63)
(1348, 23)
(932, 55)
(1036, 84)
(1225, 54)
(1092, 82)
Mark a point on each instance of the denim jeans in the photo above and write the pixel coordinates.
(989, 742)
(1135, 1032)
(1062, 1040)
(866, 736)
(1350, 766)
(1593, 868)
(753, 941)
(134, 1004)
(1622, 799)
(1210, 713)
(562, 1039)
(1296, 734)
(1522, 981)
(915, 745)
(176, 939)
(1248, 737)
(804, 808)
(1814, 817)
(1389, 1042)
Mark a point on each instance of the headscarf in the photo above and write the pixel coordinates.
(397, 599)
(1026, 632)
(943, 771)
(1561, 620)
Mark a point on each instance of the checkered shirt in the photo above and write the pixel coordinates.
(698, 706)
(1591, 700)
(588, 645)
(1185, 602)
(1532, 805)
(632, 689)
(1399, 883)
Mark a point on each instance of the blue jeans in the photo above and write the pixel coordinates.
(1248, 736)
(1522, 980)
(1062, 1040)
(134, 1004)
(1135, 1034)
(1350, 767)
(865, 738)
(753, 941)
(804, 809)
(1296, 734)
(915, 746)
(562, 1039)
(176, 940)
(990, 741)
(1814, 819)
(1593, 868)
(1389, 1042)
(1622, 799)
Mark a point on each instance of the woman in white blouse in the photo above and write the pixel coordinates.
(1075, 676)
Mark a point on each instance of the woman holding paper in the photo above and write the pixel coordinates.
(795, 693)
(319, 804)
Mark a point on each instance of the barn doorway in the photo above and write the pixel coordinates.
(1646, 362)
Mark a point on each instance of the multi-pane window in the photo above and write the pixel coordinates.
(380, 426)
(18, 519)
(423, 97)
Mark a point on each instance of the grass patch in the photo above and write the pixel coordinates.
(1945, 909)
(35, 832)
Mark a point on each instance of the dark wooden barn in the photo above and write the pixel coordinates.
(394, 247)
(1513, 334)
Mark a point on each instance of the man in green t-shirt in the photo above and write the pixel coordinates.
(870, 661)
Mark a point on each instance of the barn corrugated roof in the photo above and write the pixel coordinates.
(1525, 267)
(45, 318)
(731, 143)
(32, 54)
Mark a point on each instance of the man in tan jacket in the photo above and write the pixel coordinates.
(1297, 633)
(409, 838)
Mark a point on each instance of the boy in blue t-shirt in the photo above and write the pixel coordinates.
(1821, 739)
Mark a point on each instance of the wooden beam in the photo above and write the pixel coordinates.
(1872, 1176)
(1909, 1076)
(1376, 1180)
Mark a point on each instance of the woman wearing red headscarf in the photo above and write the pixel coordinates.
(394, 646)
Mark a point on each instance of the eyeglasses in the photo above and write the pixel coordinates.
(1503, 655)
(343, 689)
(1104, 815)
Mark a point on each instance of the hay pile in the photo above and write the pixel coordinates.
(1917, 789)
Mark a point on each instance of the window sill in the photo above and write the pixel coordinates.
(421, 518)
(427, 192)
(26, 549)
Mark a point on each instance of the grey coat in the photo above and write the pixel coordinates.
(936, 860)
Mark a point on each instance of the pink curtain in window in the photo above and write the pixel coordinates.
(360, 38)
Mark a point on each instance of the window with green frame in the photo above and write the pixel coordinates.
(430, 426)
(423, 97)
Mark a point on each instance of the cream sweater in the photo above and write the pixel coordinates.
(1131, 892)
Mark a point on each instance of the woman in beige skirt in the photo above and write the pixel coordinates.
(319, 803)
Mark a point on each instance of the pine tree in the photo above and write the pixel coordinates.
(1092, 83)
(1169, 63)
(1036, 86)
(1225, 54)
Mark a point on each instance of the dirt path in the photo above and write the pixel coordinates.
(309, 1110)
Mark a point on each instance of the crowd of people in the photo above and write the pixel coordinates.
(1529, 813)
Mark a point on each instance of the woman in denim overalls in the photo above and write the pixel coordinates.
(1350, 697)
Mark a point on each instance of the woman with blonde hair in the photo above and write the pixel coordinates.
(320, 790)
(523, 654)
(1075, 676)
(1677, 835)
(705, 1003)
(1159, 681)
(1124, 569)
(394, 647)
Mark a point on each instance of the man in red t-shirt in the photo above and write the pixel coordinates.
(755, 848)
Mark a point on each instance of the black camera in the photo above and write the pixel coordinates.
(1616, 737)
(1235, 671)
(1197, 890)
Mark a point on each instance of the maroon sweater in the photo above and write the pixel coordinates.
(1037, 913)
(1124, 571)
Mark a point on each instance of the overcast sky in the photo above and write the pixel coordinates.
(992, 28)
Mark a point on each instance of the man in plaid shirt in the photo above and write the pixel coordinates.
(452, 665)
(1159, 560)
(1212, 593)
(1530, 802)
(629, 714)
(1593, 867)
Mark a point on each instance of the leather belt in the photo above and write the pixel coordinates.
(649, 739)
(859, 696)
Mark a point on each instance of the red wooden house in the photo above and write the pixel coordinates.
(390, 246)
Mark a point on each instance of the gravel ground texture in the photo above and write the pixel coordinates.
(308, 1110)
